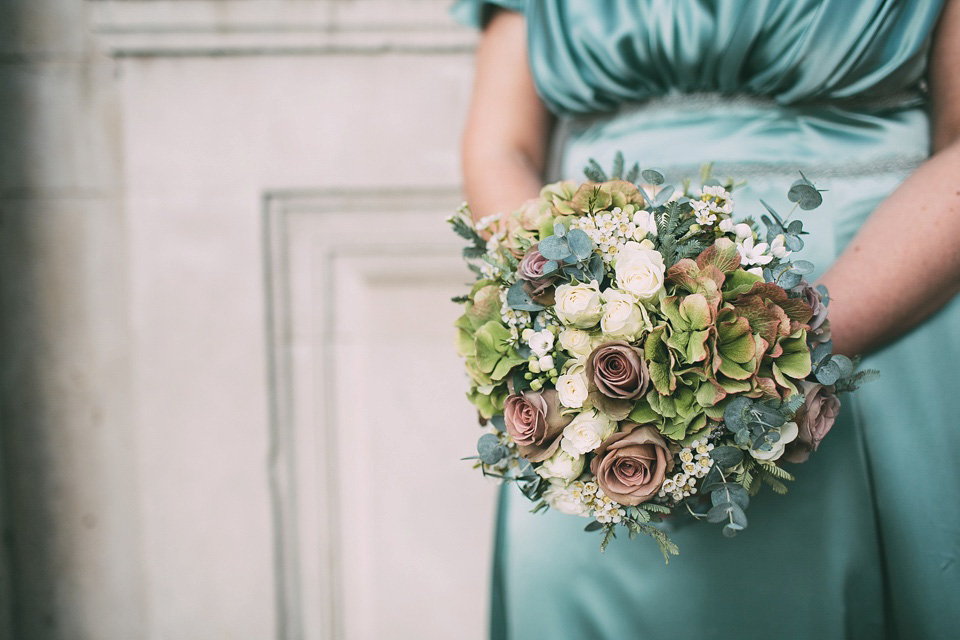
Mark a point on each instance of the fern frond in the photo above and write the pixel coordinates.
(777, 472)
(594, 172)
(775, 484)
(617, 172)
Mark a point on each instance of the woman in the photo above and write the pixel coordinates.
(867, 542)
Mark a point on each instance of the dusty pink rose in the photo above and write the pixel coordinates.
(531, 270)
(618, 370)
(630, 465)
(812, 297)
(534, 422)
(815, 419)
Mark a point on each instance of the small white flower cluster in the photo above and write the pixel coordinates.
(487, 222)
(710, 204)
(586, 499)
(515, 320)
(695, 463)
(488, 270)
(611, 230)
(606, 510)
(541, 345)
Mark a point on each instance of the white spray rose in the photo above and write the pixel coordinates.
(726, 225)
(622, 316)
(788, 433)
(541, 342)
(646, 223)
(779, 247)
(640, 271)
(743, 231)
(565, 500)
(561, 466)
(579, 305)
(576, 341)
(572, 387)
(586, 432)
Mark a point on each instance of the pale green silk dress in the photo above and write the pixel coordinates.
(867, 542)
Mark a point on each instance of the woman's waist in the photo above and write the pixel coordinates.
(749, 137)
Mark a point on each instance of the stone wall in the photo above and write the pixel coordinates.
(220, 222)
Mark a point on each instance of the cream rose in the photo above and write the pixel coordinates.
(561, 466)
(579, 305)
(572, 387)
(640, 271)
(565, 500)
(586, 432)
(622, 316)
(576, 341)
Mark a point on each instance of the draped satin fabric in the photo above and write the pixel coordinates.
(866, 544)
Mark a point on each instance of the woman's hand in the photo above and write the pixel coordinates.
(505, 140)
(904, 263)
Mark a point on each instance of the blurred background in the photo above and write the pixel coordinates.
(230, 403)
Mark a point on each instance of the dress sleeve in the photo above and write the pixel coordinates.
(476, 13)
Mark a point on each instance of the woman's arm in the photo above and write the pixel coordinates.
(904, 263)
(505, 141)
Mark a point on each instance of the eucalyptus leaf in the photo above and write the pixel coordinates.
(764, 415)
(664, 195)
(803, 267)
(580, 243)
(490, 449)
(822, 351)
(595, 267)
(775, 215)
(736, 414)
(593, 526)
(844, 364)
(554, 248)
(520, 300)
(828, 373)
(652, 176)
(805, 194)
(730, 492)
(712, 481)
(559, 230)
(792, 242)
(789, 279)
(727, 456)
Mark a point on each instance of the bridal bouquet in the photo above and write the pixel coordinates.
(634, 352)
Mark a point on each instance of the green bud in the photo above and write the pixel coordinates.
(528, 376)
(553, 373)
(694, 228)
(535, 367)
(536, 385)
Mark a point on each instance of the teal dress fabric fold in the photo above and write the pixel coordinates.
(866, 544)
